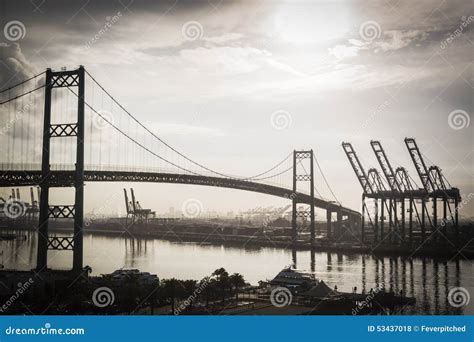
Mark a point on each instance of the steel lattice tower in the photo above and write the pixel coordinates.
(62, 79)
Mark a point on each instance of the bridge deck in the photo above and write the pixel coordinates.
(65, 178)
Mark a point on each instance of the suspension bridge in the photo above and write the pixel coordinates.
(63, 129)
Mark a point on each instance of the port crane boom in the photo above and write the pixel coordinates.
(358, 168)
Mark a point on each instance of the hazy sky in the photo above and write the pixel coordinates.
(208, 76)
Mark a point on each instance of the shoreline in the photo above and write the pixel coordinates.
(322, 245)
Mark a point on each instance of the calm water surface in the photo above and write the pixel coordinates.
(427, 279)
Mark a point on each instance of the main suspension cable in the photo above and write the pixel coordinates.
(324, 178)
(172, 148)
(132, 139)
(21, 95)
(22, 82)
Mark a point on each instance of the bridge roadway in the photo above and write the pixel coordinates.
(65, 178)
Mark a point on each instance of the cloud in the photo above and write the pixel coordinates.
(344, 51)
(395, 39)
(390, 40)
(228, 60)
(14, 66)
(225, 38)
(19, 120)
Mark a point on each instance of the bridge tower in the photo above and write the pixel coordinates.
(62, 79)
(304, 215)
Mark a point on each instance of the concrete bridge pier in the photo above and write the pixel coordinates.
(354, 223)
(340, 217)
(329, 224)
(337, 229)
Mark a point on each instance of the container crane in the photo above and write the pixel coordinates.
(434, 183)
(372, 186)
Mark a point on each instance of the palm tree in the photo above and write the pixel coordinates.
(236, 281)
(189, 288)
(170, 289)
(222, 279)
(208, 284)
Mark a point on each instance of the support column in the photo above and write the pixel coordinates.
(362, 228)
(79, 178)
(390, 219)
(423, 228)
(42, 253)
(294, 258)
(376, 224)
(328, 223)
(339, 223)
(382, 220)
(311, 182)
(445, 217)
(62, 79)
(299, 156)
(456, 217)
(293, 217)
(396, 223)
(402, 209)
(410, 223)
(435, 218)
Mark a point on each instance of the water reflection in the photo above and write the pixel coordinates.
(428, 280)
